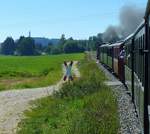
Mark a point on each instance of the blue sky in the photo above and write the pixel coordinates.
(51, 18)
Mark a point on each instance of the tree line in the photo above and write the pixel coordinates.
(67, 46)
(25, 46)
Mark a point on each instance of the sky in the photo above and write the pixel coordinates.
(51, 18)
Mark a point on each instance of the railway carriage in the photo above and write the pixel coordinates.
(110, 57)
(139, 70)
(135, 68)
(147, 19)
(147, 71)
(135, 71)
(104, 54)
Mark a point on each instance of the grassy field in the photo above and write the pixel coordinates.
(85, 106)
(29, 72)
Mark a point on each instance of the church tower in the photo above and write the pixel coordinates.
(29, 33)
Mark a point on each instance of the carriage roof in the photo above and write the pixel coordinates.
(104, 45)
(116, 44)
(128, 38)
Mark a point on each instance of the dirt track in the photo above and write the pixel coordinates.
(14, 102)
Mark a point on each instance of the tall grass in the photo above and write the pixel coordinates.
(85, 106)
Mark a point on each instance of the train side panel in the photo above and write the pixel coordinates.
(139, 72)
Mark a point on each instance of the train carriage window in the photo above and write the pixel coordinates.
(139, 59)
(138, 67)
(149, 20)
(144, 41)
(115, 53)
(118, 51)
(141, 42)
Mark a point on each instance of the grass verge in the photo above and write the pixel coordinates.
(85, 106)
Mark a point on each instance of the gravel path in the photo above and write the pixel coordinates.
(14, 102)
(129, 123)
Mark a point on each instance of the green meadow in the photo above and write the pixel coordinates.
(29, 72)
(85, 106)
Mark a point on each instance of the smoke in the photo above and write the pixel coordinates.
(130, 18)
(111, 34)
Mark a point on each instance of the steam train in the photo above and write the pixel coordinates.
(130, 61)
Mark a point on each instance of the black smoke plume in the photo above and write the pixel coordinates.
(130, 18)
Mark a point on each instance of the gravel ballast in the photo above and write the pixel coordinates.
(129, 122)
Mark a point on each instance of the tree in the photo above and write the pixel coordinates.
(8, 47)
(70, 38)
(26, 46)
(20, 39)
(62, 39)
(49, 48)
(100, 38)
(62, 42)
(71, 46)
(55, 50)
(82, 44)
(95, 41)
